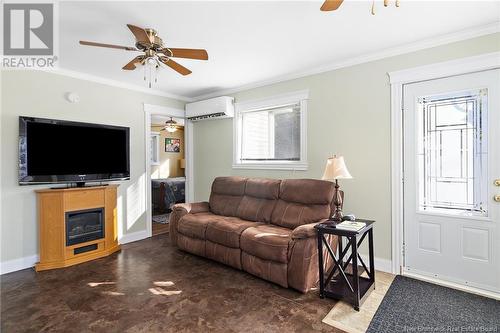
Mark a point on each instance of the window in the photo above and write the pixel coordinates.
(271, 133)
(452, 153)
(155, 148)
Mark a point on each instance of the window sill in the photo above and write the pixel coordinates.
(301, 166)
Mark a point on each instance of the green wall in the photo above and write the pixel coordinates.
(41, 94)
(348, 114)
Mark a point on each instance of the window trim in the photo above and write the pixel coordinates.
(155, 154)
(300, 97)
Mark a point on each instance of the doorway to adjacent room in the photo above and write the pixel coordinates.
(166, 165)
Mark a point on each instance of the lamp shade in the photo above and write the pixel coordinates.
(336, 169)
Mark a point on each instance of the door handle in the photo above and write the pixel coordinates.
(497, 198)
(497, 182)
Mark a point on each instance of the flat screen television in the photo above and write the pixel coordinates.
(59, 151)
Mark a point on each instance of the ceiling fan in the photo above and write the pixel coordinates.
(330, 5)
(154, 52)
(171, 126)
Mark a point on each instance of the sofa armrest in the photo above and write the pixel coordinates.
(305, 230)
(193, 208)
(179, 210)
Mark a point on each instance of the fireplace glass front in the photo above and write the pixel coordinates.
(84, 225)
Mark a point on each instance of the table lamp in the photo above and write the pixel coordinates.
(336, 169)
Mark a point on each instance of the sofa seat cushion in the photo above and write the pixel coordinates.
(267, 242)
(195, 225)
(223, 254)
(191, 245)
(269, 270)
(227, 231)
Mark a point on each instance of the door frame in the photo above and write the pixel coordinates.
(150, 110)
(398, 80)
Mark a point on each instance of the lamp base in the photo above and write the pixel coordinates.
(337, 216)
(337, 202)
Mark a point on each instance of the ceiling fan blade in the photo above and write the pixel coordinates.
(198, 54)
(175, 66)
(131, 65)
(111, 46)
(329, 5)
(139, 33)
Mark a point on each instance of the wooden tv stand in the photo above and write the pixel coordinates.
(53, 206)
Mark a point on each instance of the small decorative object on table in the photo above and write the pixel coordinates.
(336, 169)
(346, 285)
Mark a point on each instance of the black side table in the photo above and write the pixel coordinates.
(346, 286)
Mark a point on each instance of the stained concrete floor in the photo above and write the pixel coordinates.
(151, 286)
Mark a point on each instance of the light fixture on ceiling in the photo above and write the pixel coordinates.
(154, 53)
(170, 126)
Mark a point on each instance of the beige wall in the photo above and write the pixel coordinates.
(41, 94)
(349, 114)
(169, 162)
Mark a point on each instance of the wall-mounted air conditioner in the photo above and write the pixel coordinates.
(213, 108)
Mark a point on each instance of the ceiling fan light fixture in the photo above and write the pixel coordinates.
(170, 129)
(170, 125)
(154, 53)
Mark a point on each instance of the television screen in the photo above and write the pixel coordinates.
(57, 151)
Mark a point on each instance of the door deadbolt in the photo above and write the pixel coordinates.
(497, 182)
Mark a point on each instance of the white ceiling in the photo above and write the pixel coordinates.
(250, 42)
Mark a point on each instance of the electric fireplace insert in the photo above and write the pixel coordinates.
(84, 226)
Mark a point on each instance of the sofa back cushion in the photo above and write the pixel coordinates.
(302, 201)
(226, 195)
(259, 199)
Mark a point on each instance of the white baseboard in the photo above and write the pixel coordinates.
(18, 264)
(14, 265)
(381, 264)
(133, 237)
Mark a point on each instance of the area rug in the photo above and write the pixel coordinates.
(163, 218)
(344, 317)
(415, 306)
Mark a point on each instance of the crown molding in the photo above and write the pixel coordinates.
(460, 66)
(116, 83)
(474, 32)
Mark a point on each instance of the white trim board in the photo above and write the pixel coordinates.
(381, 264)
(116, 83)
(398, 80)
(438, 70)
(474, 32)
(14, 265)
(133, 237)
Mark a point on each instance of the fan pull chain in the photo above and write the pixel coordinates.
(386, 3)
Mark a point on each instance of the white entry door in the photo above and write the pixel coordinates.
(452, 178)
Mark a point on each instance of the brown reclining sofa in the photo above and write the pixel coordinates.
(262, 226)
